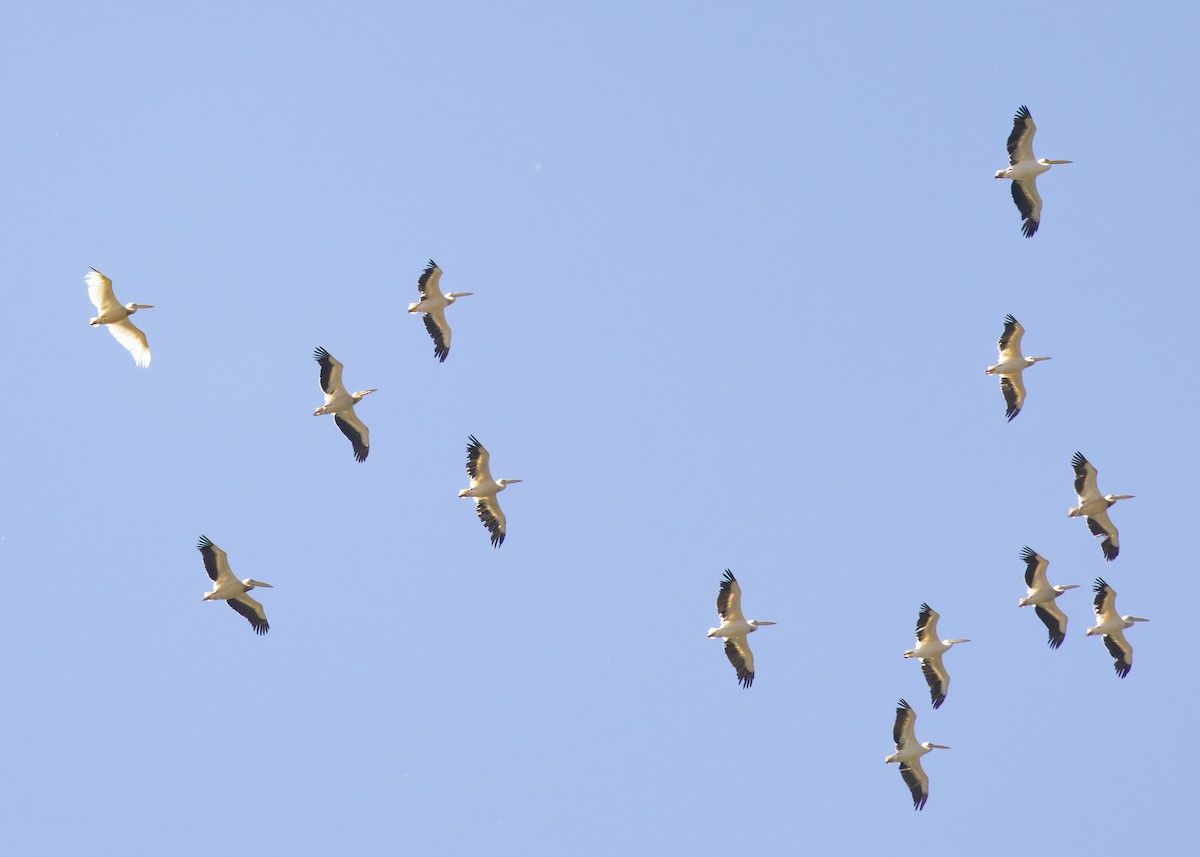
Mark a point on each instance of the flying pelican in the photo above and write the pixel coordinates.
(909, 752)
(1041, 595)
(116, 317)
(484, 490)
(433, 303)
(929, 649)
(1094, 507)
(1024, 169)
(1112, 625)
(734, 628)
(341, 404)
(231, 590)
(1011, 365)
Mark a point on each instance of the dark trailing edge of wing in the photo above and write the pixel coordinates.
(423, 280)
(360, 449)
(727, 581)
(1110, 550)
(322, 357)
(1010, 397)
(1025, 207)
(914, 786)
(1080, 464)
(1121, 665)
(745, 677)
(205, 546)
(1031, 561)
(936, 694)
(923, 617)
(474, 448)
(902, 711)
(260, 625)
(490, 521)
(1019, 126)
(1010, 328)
(440, 351)
(1057, 635)
(1101, 589)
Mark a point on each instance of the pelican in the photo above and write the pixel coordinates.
(341, 404)
(231, 590)
(1112, 625)
(1011, 365)
(433, 303)
(1040, 594)
(1094, 507)
(1024, 169)
(909, 752)
(116, 317)
(929, 649)
(484, 490)
(734, 628)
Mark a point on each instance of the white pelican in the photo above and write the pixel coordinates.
(116, 317)
(734, 628)
(1094, 507)
(1040, 594)
(909, 752)
(433, 303)
(1011, 365)
(341, 404)
(929, 649)
(229, 588)
(1112, 625)
(1024, 169)
(484, 490)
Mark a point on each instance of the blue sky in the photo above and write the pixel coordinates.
(737, 273)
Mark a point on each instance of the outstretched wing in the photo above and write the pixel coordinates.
(331, 373)
(1029, 203)
(1054, 620)
(130, 335)
(1013, 388)
(252, 610)
(100, 292)
(439, 330)
(729, 599)
(216, 562)
(427, 284)
(356, 430)
(1020, 140)
(488, 510)
(739, 654)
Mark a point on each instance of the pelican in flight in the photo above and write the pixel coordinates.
(909, 752)
(1024, 169)
(341, 404)
(231, 590)
(484, 490)
(1094, 507)
(1040, 594)
(1011, 365)
(734, 628)
(116, 317)
(1112, 625)
(930, 649)
(433, 303)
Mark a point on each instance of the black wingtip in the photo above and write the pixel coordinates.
(204, 542)
(1028, 553)
(1022, 112)
(1077, 460)
(728, 577)
(320, 354)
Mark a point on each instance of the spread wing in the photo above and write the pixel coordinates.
(331, 373)
(1020, 140)
(488, 510)
(131, 336)
(216, 562)
(1029, 203)
(729, 599)
(439, 330)
(252, 610)
(1054, 620)
(356, 430)
(1009, 345)
(739, 654)
(428, 282)
(1013, 388)
(100, 291)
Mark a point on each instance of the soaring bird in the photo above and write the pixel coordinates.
(909, 752)
(1112, 625)
(1011, 365)
(930, 649)
(1094, 507)
(115, 317)
(734, 628)
(484, 490)
(1024, 169)
(1040, 594)
(231, 590)
(433, 303)
(341, 404)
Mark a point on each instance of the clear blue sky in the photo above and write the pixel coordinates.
(738, 271)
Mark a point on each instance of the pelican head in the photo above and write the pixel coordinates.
(1045, 162)
(930, 746)
(755, 624)
(250, 584)
(359, 395)
(135, 307)
(503, 483)
(1032, 360)
(952, 642)
(1129, 620)
(1112, 498)
(1061, 589)
(453, 296)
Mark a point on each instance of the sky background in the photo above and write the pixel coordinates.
(737, 272)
